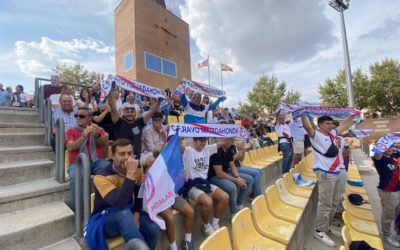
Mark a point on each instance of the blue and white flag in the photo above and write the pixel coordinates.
(163, 180)
(360, 133)
(391, 140)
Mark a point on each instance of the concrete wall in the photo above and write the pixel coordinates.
(382, 125)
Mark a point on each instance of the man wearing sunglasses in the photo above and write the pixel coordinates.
(130, 125)
(86, 138)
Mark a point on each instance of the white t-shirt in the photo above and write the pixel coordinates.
(297, 130)
(341, 149)
(280, 128)
(322, 142)
(197, 163)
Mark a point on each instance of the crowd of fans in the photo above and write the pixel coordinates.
(17, 98)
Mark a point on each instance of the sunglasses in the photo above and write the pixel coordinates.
(130, 109)
(80, 116)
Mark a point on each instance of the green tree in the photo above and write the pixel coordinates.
(266, 94)
(76, 74)
(385, 86)
(292, 97)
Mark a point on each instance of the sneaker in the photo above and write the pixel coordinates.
(239, 207)
(391, 240)
(324, 238)
(208, 231)
(215, 227)
(335, 232)
(187, 245)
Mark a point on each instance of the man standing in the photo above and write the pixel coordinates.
(195, 112)
(66, 112)
(130, 125)
(326, 167)
(53, 88)
(297, 131)
(85, 138)
(4, 96)
(284, 142)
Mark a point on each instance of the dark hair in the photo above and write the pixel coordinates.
(336, 123)
(324, 119)
(80, 94)
(20, 87)
(199, 138)
(86, 109)
(157, 114)
(120, 143)
(64, 87)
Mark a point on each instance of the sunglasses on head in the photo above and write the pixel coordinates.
(80, 116)
(130, 109)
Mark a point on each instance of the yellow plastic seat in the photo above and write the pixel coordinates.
(245, 236)
(288, 198)
(267, 151)
(263, 157)
(346, 237)
(342, 248)
(357, 212)
(249, 163)
(365, 206)
(268, 225)
(354, 235)
(362, 226)
(218, 240)
(279, 209)
(254, 158)
(172, 119)
(355, 189)
(113, 242)
(304, 174)
(295, 189)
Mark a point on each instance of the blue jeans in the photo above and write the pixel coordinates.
(256, 174)
(121, 222)
(230, 187)
(96, 167)
(287, 160)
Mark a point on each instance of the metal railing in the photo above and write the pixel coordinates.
(47, 122)
(82, 169)
(60, 150)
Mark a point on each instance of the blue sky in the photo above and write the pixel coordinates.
(297, 41)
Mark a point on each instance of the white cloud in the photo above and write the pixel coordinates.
(38, 58)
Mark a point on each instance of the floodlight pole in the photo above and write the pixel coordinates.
(340, 6)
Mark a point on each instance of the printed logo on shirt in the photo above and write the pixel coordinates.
(200, 164)
(135, 130)
(391, 167)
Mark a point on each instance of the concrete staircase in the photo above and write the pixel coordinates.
(33, 214)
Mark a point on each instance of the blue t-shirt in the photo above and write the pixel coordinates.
(4, 98)
(389, 173)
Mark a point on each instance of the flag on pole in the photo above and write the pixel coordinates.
(202, 64)
(163, 180)
(225, 67)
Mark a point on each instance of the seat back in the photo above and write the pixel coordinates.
(172, 119)
(91, 202)
(247, 161)
(259, 209)
(218, 240)
(242, 226)
(346, 237)
(271, 195)
(254, 156)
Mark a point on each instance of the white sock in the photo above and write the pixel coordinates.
(188, 237)
(214, 221)
(207, 225)
(173, 246)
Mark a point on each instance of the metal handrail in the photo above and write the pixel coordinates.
(47, 121)
(82, 169)
(60, 151)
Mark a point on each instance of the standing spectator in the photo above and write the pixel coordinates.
(85, 138)
(155, 133)
(66, 111)
(233, 113)
(130, 125)
(53, 88)
(55, 98)
(297, 130)
(224, 174)
(19, 97)
(227, 117)
(245, 121)
(10, 93)
(4, 96)
(284, 142)
(195, 112)
(102, 117)
(86, 100)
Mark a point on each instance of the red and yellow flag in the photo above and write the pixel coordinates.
(225, 67)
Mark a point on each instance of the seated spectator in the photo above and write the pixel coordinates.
(66, 112)
(238, 150)
(85, 138)
(144, 104)
(116, 192)
(19, 97)
(155, 133)
(261, 133)
(102, 117)
(224, 174)
(195, 112)
(245, 121)
(4, 96)
(146, 161)
(130, 125)
(196, 160)
(226, 117)
(55, 98)
(53, 88)
(86, 100)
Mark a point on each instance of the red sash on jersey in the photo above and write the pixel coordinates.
(394, 180)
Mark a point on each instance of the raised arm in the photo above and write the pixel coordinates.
(345, 125)
(215, 104)
(113, 106)
(153, 109)
(307, 126)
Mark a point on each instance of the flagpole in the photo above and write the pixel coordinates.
(208, 60)
(222, 84)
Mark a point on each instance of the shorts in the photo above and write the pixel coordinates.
(194, 192)
(179, 203)
(298, 147)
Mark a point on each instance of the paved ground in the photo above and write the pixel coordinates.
(370, 179)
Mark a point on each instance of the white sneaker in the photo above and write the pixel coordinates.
(215, 227)
(335, 232)
(239, 207)
(208, 230)
(391, 240)
(324, 238)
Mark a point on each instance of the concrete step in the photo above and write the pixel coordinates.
(21, 139)
(31, 194)
(36, 227)
(21, 128)
(18, 115)
(25, 153)
(67, 244)
(25, 171)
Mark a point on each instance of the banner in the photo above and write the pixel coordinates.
(387, 141)
(208, 130)
(199, 87)
(335, 112)
(129, 85)
(360, 133)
